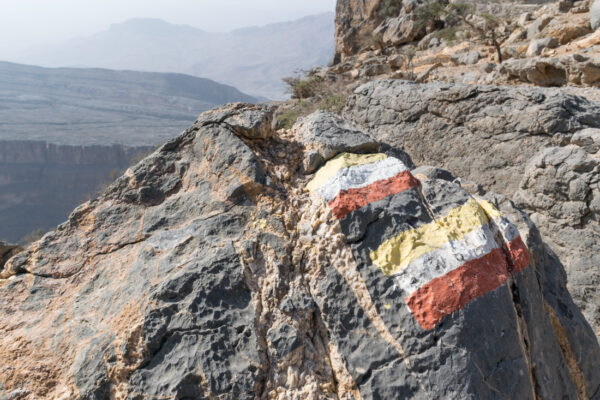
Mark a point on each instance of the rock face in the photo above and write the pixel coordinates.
(41, 183)
(353, 19)
(513, 141)
(360, 23)
(215, 268)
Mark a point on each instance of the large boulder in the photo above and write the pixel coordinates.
(209, 271)
(434, 268)
(489, 135)
(325, 135)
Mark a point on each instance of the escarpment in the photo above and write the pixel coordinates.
(219, 267)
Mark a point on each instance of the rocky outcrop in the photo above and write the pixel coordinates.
(541, 43)
(215, 268)
(499, 137)
(362, 24)
(326, 135)
(354, 23)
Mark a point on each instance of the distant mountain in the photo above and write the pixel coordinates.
(251, 59)
(96, 106)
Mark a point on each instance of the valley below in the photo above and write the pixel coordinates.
(41, 183)
(66, 132)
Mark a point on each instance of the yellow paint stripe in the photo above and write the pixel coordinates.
(340, 161)
(491, 211)
(398, 252)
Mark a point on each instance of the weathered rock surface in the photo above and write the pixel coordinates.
(555, 71)
(490, 135)
(359, 23)
(326, 135)
(209, 271)
(561, 192)
(466, 58)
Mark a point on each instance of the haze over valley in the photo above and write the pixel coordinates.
(66, 132)
(252, 59)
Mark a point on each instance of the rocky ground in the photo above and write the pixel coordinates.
(549, 45)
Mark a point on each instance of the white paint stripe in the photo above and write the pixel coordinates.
(508, 230)
(360, 176)
(447, 258)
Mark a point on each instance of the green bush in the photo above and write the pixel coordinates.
(334, 103)
(303, 88)
(391, 8)
(288, 118)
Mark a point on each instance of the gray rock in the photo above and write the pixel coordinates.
(588, 139)
(536, 46)
(284, 340)
(248, 120)
(188, 278)
(160, 246)
(328, 135)
(415, 360)
(595, 14)
(524, 18)
(560, 190)
(536, 27)
(468, 58)
(400, 30)
(488, 67)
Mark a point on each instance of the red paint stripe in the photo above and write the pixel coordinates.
(453, 291)
(456, 289)
(352, 199)
(518, 255)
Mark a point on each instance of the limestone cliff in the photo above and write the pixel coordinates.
(218, 267)
(41, 183)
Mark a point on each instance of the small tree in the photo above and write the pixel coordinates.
(487, 28)
(303, 87)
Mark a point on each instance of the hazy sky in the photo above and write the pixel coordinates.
(28, 23)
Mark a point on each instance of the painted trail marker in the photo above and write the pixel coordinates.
(442, 265)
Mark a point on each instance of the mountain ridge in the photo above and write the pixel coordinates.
(114, 100)
(252, 59)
